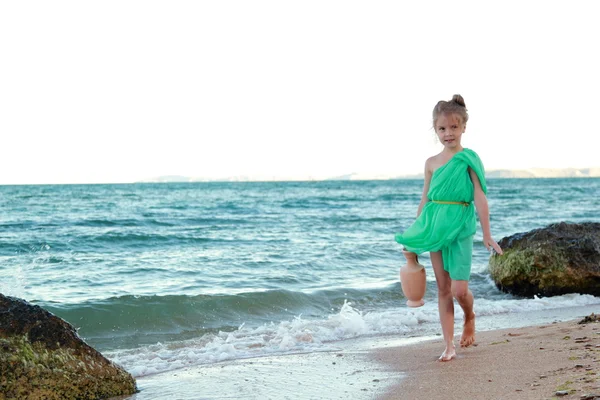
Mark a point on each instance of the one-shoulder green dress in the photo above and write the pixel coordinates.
(447, 221)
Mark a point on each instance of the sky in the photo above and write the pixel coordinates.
(123, 91)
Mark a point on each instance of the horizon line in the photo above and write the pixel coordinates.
(592, 172)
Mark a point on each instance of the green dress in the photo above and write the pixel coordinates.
(448, 227)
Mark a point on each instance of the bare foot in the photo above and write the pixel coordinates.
(468, 335)
(448, 354)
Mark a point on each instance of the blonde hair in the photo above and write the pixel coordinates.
(455, 106)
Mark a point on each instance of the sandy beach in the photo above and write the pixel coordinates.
(558, 360)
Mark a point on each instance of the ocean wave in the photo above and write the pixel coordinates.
(127, 222)
(353, 219)
(27, 225)
(302, 334)
(156, 318)
(120, 237)
(401, 197)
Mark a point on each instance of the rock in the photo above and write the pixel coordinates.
(558, 259)
(589, 319)
(42, 357)
(562, 393)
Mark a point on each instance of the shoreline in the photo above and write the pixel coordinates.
(505, 363)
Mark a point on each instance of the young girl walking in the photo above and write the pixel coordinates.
(446, 223)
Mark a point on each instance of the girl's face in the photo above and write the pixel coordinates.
(449, 129)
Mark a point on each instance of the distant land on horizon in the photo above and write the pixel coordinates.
(497, 173)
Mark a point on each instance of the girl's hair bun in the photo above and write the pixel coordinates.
(457, 98)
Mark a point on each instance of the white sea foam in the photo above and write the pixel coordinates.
(305, 335)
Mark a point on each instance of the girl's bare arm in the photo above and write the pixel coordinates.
(483, 211)
(427, 174)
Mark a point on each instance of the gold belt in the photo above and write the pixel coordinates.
(460, 203)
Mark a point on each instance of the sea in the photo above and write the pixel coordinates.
(164, 276)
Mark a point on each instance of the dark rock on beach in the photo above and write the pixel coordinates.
(42, 357)
(558, 259)
(590, 319)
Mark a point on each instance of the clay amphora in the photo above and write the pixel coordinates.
(413, 280)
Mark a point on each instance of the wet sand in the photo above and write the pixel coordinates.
(324, 375)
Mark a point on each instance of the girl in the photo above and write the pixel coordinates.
(446, 223)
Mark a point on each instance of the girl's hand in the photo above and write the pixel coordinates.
(490, 244)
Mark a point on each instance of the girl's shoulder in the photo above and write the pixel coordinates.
(436, 161)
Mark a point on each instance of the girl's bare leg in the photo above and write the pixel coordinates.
(460, 290)
(445, 305)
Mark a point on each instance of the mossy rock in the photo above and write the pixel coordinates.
(558, 259)
(42, 357)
